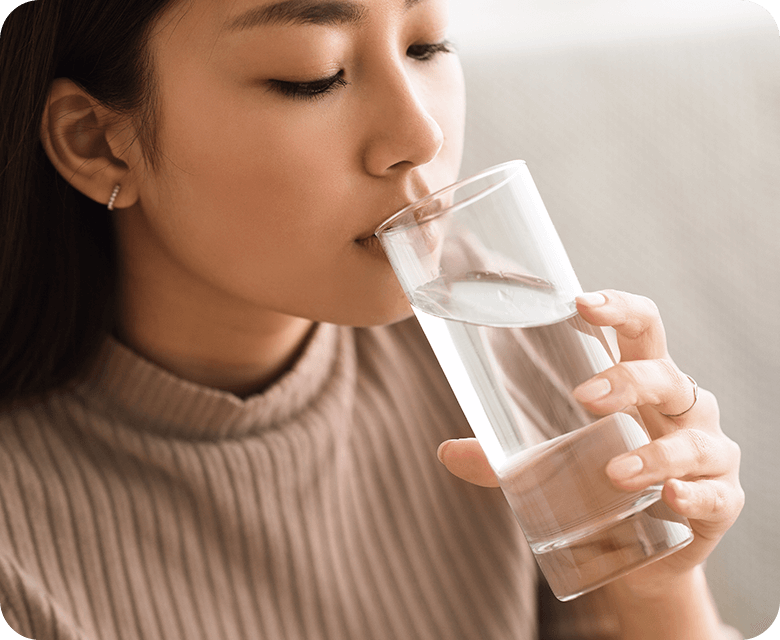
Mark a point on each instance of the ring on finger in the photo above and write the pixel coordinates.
(693, 404)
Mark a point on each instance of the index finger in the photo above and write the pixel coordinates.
(640, 331)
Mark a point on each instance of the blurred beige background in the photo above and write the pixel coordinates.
(652, 129)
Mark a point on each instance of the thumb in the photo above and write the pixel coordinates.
(464, 458)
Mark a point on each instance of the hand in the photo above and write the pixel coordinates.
(689, 454)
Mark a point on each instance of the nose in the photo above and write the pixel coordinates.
(403, 134)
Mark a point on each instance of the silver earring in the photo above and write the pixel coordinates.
(112, 199)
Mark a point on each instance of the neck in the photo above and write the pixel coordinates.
(226, 358)
(205, 336)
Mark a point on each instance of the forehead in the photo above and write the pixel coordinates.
(220, 17)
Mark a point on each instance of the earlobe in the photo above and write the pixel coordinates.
(91, 147)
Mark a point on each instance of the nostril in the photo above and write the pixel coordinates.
(401, 165)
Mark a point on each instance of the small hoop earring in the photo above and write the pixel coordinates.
(112, 199)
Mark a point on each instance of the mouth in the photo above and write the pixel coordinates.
(371, 243)
(369, 240)
(413, 212)
(417, 214)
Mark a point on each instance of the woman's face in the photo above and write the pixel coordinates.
(288, 131)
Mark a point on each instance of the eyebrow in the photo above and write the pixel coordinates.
(302, 12)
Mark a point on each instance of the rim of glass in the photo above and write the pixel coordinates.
(387, 225)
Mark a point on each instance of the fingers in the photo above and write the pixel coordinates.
(685, 454)
(465, 459)
(656, 383)
(711, 493)
(713, 501)
(646, 376)
(640, 332)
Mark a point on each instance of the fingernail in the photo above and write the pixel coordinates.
(626, 467)
(593, 389)
(440, 450)
(592, 299)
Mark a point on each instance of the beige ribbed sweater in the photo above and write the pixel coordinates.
(143, 506)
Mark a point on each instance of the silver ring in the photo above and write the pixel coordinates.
(695, 398)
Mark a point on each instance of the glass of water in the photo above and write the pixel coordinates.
(493, 289)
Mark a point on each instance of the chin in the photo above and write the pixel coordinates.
(372, 311)
(377, 315)
(378, 320)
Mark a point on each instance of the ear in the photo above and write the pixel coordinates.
(92, 147)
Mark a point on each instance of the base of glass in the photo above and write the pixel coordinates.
(614, 550)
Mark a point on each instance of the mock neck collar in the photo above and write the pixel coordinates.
(151, 398)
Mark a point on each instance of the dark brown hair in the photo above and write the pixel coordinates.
(57, 257)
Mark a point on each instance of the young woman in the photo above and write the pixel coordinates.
(218, 421)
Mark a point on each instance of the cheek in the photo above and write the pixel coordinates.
(252, 178)
(243, 159)
(259, 207)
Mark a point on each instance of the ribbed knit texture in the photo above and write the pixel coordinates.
(143, 506)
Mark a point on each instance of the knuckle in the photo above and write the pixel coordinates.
(649, 308)
(733, 452)
(701, 445)
(631, 376)
(630, 372)
(731, 502)
(719, 500)
(680, 381)
(667, 370)
(739, 502)
(708, 405)
(641, 314)
(670, 370)
(635, 310)
(663, 453)
(725, 501)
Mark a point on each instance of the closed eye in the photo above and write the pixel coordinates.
(425, 52)
(309, 90)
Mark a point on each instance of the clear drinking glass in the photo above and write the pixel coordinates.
(493, 290)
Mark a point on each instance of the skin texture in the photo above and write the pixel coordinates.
(252, 228)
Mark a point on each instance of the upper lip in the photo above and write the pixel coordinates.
(410, 188)
(401, 204)
(421, 213)
(370, 232)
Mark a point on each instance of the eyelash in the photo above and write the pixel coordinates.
(310, 90)
(426, 52)
(321, 88)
